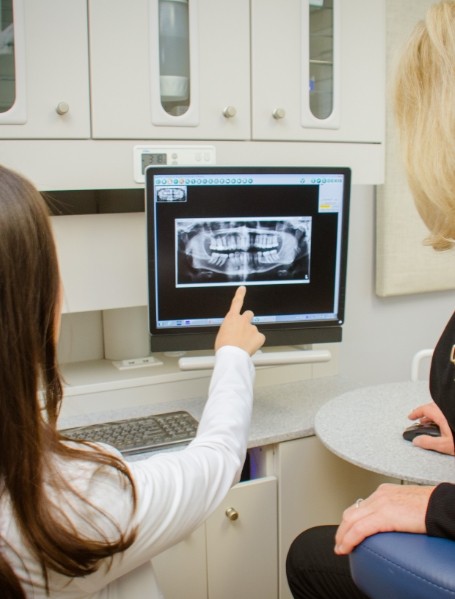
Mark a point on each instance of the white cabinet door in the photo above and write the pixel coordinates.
(228, 557)
(280, 75)
(242, 553)
(315, 487)
(125, 76)
(182, 570)
(275, 72)
(51, 71)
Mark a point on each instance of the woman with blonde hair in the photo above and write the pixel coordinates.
(317, 563)
(75, 519)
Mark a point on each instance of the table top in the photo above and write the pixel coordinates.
(365, 426)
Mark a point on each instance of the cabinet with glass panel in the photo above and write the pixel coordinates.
(264, 70)
(318, 69)
(44, 83)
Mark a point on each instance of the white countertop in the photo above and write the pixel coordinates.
(281, 412)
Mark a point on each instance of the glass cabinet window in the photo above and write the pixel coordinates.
(321, 58)
(7, 62)
(174, 56)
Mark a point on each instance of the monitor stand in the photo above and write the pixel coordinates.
(260, 358)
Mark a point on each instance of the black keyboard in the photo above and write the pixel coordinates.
(139, 435)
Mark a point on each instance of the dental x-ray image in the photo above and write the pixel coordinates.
(171, 194)
(212, 251)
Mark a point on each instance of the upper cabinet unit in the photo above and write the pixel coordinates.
(44, 70)
(299, 70)
(170, 69)
(87, 83)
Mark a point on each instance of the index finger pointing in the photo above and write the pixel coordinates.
(237, 300)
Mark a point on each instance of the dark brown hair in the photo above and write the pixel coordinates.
(31, 396)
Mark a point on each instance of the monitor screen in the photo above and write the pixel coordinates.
(281, 232)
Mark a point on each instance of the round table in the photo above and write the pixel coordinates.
(365, 428)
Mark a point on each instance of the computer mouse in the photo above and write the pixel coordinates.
(426, 428)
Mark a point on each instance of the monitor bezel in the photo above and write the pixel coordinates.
(282, 334)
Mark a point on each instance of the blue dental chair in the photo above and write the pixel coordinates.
(397, 565)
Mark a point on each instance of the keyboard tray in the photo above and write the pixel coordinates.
(139, 435)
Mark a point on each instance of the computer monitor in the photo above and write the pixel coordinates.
(281, 232)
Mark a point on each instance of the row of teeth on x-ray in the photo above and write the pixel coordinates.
(243, 243)
(243, 259)
(244, 248)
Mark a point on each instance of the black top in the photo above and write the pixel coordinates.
(440, 516)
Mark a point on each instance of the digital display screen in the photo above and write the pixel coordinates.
(155, 159)
(281, 232)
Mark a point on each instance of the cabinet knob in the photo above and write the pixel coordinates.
(229, 112)
(62, 108)
(279, 113)
(232, 514)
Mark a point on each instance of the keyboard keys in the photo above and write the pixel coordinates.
(139, 435)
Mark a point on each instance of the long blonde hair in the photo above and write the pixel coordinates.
(425, 112)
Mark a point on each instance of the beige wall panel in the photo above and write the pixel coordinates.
(403, 264)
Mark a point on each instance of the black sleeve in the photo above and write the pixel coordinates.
(440, 516)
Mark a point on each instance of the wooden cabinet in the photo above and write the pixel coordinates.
(234, 554)
(49, 72)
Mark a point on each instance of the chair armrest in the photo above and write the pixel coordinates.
(397, 565)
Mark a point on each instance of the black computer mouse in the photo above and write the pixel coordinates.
(427, 428)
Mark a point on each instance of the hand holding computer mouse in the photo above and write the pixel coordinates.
(421, 428)
(430, 412)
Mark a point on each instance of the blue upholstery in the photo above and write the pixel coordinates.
(397, 565)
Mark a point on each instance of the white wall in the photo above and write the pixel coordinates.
(382, 334)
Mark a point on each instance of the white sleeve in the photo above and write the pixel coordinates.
(177, 491)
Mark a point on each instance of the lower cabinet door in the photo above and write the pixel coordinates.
(242, 543)
(182, 570)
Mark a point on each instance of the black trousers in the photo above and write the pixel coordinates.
(314, 571)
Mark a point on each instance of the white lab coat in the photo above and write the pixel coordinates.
(176, 492)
